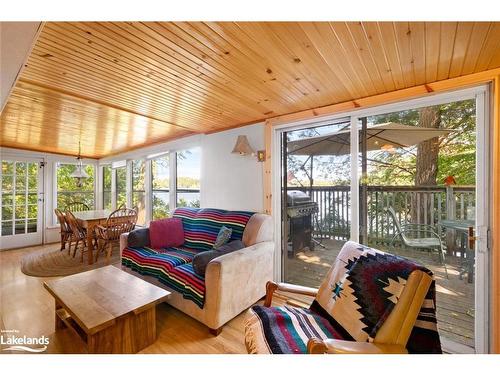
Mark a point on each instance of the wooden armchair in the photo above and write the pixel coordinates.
(391, 337)
(360, 308)
(120, 221)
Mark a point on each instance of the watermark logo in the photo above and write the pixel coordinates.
(11, 341)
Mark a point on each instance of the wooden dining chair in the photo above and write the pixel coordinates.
(64, 228)
(77, 207)
(120, 221)
(78, 234)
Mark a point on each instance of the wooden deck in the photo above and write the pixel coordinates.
(454, 297)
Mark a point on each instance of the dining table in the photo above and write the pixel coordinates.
(89, 220)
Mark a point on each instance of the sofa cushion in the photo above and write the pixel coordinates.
(201, 225)
(184, 280)
(171, 267)
(156, 262)
(166, 233)
(138, 238)
(201, 260)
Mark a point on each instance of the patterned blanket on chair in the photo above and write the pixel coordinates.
(354, 300)
(361, 289)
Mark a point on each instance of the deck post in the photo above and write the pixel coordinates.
(450, 215)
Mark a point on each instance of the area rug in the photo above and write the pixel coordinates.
(53, 262)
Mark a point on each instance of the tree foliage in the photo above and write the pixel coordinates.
(456, 153)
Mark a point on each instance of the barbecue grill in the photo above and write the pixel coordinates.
(300, 209)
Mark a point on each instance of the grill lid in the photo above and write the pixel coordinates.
(297, 197)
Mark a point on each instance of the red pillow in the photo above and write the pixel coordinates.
(166, 233)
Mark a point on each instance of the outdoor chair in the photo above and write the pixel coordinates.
(370, 302)
(77, 207)
(419, 236)
(120, 221)
(64, 228)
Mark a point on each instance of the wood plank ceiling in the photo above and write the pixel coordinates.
(119, 86)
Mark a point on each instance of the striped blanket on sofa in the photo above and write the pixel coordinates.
(173, 266)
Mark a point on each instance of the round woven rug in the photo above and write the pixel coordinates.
(53, 262)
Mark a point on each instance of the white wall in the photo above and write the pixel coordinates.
(230, 181)
(16, 42)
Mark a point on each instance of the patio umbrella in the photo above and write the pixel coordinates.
(386, 136)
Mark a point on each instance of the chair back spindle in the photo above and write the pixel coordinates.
(77, 207)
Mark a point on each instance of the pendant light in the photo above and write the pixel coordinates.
(79, 172)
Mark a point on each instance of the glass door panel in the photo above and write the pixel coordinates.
(417, 171)
(21, 203)
(316, 170)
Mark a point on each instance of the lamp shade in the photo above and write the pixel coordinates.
(242, 147)
(79, 172)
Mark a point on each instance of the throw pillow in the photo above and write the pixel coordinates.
(139, 238)
(223, 237)
(166, 233)
(201, 260)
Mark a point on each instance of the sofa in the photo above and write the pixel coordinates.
(232, 282)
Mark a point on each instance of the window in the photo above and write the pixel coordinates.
(19, 205)
(138, 191)
(106, 187)
(121, 186)
(160, 177)
(188, 178)
(67, 189)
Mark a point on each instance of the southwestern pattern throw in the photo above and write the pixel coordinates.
(356, 297)
(173, 266)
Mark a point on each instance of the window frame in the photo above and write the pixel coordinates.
(177, 176)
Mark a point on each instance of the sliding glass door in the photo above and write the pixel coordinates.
(411, 181)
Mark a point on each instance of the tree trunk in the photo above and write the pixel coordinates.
(427, 151)
(427, 162)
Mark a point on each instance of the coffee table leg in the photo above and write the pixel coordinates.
(59, 322)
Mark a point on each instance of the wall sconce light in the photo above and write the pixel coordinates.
(242, 147)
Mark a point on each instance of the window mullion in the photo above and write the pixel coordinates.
(173, 181)
(148, 191)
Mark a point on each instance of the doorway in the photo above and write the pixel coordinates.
(423, 164)
(21, 203)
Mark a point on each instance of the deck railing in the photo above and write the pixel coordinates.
(416, 204)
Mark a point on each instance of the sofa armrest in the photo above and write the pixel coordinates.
(237, 280)
(123, 242)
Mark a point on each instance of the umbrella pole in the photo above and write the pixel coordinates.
(364, 189)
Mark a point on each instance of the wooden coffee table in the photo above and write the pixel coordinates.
(111, 310)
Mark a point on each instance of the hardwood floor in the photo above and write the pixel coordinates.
(27, 307)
